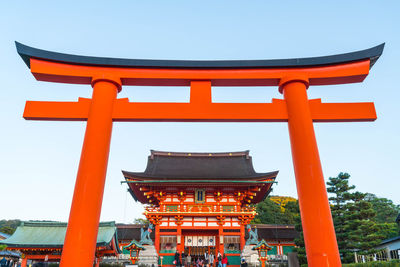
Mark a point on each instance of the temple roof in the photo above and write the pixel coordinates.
(213, 166)
(372, 54)
(226, 172)
(39, 234)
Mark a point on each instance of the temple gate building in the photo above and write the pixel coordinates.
(201, 202)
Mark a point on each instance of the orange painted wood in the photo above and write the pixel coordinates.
(81, 235)
(80, 74)
(42, 257)
(24, 262)
(321, 245)
(103, 109)
(217, 112)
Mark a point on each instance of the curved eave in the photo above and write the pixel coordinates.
(27, 52)
(143, 176)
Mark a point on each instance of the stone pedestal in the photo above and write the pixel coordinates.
(250, 255)
(149, 256)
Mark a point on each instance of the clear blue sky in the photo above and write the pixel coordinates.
(39, 160)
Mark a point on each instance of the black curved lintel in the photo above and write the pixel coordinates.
(27, 52)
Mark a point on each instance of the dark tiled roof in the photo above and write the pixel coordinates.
(176, 165)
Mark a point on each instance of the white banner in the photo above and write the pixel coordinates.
(199, 241)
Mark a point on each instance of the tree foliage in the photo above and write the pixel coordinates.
(354, 218)
(9, 226)
(362, 220)
(386, 214)
(340, 197)
(277, 210)
(362, 230)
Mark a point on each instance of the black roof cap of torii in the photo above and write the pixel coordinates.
(27, 52)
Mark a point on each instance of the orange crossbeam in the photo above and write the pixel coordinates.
(215, 112)
(80, 74)
(59, 111)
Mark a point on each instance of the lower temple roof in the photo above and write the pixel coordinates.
(39, 234)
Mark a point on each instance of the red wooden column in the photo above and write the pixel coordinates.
(319, 233)
(179, 246)
(221, 237)
(97, 262)
(157, 238)
(24, 262)
(242, 240)
(81, 236)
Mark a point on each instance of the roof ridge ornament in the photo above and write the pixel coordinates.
(198, 154)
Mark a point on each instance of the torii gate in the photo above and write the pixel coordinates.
(107, 75)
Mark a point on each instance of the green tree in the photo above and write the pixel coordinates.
(292, 213)
(388, 230)
(270, 212)
(386, 214)
(356, 224)
(340, 196)
(386, 210)
(9, 226)
(362, 229)
(7, 230)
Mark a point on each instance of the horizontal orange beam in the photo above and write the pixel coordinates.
(42, 257)
(200, 112)
(50, 110)
(83, 74)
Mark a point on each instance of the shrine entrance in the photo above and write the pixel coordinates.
(107, 76)
(197, 245)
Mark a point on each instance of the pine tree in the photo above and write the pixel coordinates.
(354, 219)
(340, 189)
(364, 232)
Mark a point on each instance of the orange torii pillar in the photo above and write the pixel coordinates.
(108, 75)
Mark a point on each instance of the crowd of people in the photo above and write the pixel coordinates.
(206, 260)
(9, 262)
